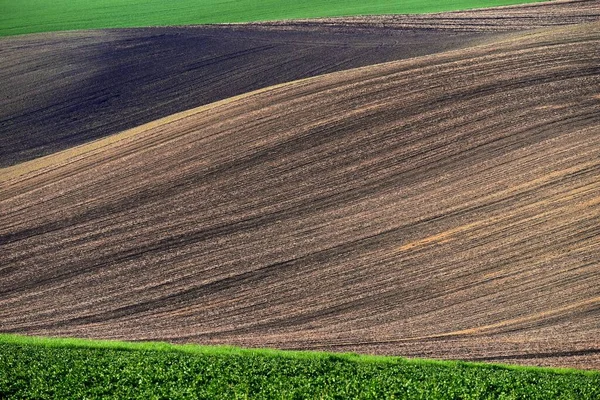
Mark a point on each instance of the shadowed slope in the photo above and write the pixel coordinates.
(64, 89)
(444, 206)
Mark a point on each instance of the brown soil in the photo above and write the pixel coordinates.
(444, 206)
(497, 19)
(64, 89)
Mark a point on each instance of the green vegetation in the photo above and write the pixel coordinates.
(74, 368)
(27, 16)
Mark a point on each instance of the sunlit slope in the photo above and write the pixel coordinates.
(445, 206)
(28, 16)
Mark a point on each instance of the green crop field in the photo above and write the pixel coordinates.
(77, 369)
(27, 16)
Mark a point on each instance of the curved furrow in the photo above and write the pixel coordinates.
(63, 89)
(443, 206)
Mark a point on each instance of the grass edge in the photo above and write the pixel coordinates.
(225, 350)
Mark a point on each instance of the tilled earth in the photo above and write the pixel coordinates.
(495, 19)
(443, 206)
(64, 89)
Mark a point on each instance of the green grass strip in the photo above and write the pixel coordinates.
(29, 16)
(46, 368)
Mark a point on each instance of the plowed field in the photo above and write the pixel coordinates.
(65, 89)
(510, 18)
(442, 206)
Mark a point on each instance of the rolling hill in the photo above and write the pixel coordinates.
(64, 89)
(443, 206)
